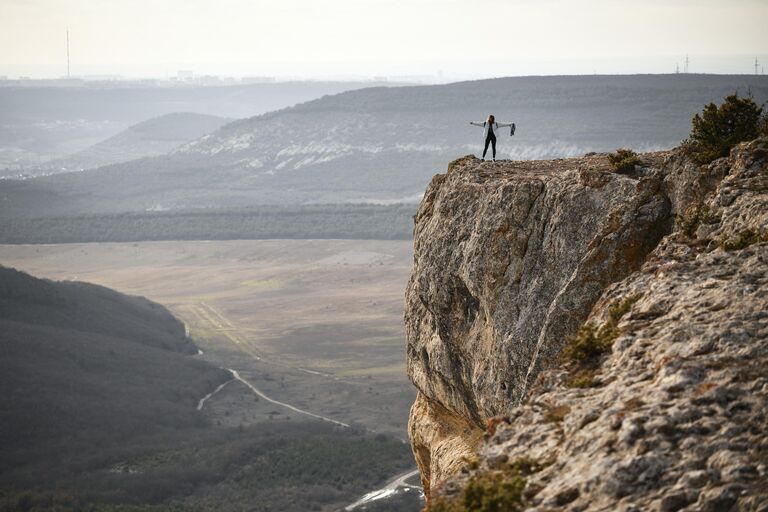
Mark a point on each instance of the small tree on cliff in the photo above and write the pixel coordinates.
(624, 160)
(719, 128)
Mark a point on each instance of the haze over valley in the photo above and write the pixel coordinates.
(254, 257)
(382, 145)
(349, 165)
(104, 400)
(42, 124)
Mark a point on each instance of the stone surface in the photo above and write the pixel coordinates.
(511, 258)
(443, 441)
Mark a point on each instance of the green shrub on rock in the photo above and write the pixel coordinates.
(493, 491)
(719, 128)
(485, 493)
(591, 342)
(693, 217)
(583, 379)
(744, 239)
(584, 350)
(624, 160)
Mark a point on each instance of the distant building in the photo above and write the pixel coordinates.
(257, 79)
(102, 78)
(185, 74)
(209, 80)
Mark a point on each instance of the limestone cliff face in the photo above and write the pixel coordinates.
(512, 258)
(509, 259)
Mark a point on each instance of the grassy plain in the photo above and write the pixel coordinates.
(313, 323)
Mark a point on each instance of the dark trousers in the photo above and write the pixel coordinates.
(490, 139)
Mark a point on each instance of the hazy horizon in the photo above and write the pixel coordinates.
(729, 66)
(267, 256)
(347, 39)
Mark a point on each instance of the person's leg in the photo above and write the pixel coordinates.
(485, 150)
(493, 143)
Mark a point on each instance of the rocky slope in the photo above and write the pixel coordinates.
(515, 261)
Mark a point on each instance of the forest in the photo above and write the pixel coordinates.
(348, 221)
(98, 396)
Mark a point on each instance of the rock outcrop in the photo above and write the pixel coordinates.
(511, 259)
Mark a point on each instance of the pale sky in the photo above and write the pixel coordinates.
(334, 38)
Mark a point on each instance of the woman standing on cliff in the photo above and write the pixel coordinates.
(490, 127)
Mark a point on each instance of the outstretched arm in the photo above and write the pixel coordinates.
(504, 125)
(476, 124)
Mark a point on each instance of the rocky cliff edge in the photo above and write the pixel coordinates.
(517, 261)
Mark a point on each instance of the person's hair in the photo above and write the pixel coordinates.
(490, 119)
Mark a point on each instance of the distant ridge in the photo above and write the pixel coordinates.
(153, 137)
(41, 123)
(383, 144)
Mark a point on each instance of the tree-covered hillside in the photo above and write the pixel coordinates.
(350, 221)
(98, 412)
(153, 137)
(39, 123)
(384, 144)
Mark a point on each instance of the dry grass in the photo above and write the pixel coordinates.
(744, 239)
(591, 342)
(556, 413)
(333, 307)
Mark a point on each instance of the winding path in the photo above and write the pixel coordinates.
(236, 376)
(202, 401)
(386, 491)
(253, 388)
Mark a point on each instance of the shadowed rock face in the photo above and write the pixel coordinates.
(676, 414)
(509, 259)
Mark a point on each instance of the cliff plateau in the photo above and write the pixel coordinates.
(514, 261)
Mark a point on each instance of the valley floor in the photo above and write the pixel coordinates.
(309, 328)
(314, 323)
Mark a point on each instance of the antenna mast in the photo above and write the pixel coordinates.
(756, 66)
(67, 52)
(686, 63)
